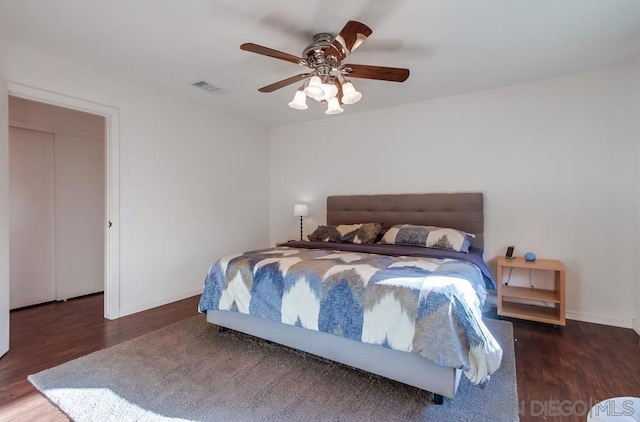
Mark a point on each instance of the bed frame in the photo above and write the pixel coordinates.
(463, 211)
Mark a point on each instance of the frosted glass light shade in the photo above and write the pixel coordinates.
(299, 101)
(334, 107)
(330, 91)
(314, 89)
(300, 210)
(349, 94)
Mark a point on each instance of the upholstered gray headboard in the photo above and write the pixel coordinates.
(462, 211)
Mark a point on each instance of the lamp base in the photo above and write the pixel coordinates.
(301, 228)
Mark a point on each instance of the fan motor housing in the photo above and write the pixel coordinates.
(314, 53)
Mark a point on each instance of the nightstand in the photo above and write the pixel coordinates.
(548, 314)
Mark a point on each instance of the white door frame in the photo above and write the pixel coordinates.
(4, 220)
(112, 180)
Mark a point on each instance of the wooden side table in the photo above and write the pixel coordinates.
(550, 315)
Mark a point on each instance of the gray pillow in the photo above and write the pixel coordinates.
(368, 233)
(428, 237)
(347, 233)
(325, 234)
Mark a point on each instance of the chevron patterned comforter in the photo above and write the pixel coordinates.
(427, 306)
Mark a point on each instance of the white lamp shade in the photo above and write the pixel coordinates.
(330, 91)
(299, 101)
(349, 94)
(314, 89)
(300, 210)
(334, 107)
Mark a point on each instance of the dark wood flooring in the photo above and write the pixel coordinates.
(45, 336)
(560, 372)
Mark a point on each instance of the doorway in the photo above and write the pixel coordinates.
(111, 276)
(57, 180)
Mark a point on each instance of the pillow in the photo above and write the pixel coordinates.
(428, 237)
(347, 233)
(325, 234)
(368, 233)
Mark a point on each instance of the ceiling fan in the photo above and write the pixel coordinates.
(327, 81)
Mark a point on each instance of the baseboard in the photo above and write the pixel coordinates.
(149, 305)
(491, 303)
(599, 319)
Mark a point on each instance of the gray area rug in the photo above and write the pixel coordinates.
(189, 371)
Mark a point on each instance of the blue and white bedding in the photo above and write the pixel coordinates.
(428, 306)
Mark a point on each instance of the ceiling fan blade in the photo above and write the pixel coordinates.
(351, 36)
(265, 51)
(393, 74)
(285, 82)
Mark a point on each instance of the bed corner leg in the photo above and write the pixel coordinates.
(221, 329)
(438, 399)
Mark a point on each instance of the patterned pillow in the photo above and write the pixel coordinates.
(347, 233)
(325, 234)
(368, 233)
(428, 237)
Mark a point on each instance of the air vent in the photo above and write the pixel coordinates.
(212, 89)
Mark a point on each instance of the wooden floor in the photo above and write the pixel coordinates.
(45, 336)
(562, 372)
(559, 371)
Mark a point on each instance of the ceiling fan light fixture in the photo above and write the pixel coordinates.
(326, 80)
(299, 101)
(334, 106)
(349, 94)
(314, 89)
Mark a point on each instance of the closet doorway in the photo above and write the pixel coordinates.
(57, 202)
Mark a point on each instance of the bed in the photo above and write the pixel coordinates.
(455, 341)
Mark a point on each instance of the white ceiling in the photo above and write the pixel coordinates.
(450, 46)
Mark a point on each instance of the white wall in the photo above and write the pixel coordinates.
(195, 179)
(59, 120)
(555, 159)
(4, 219)
(636, 318)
